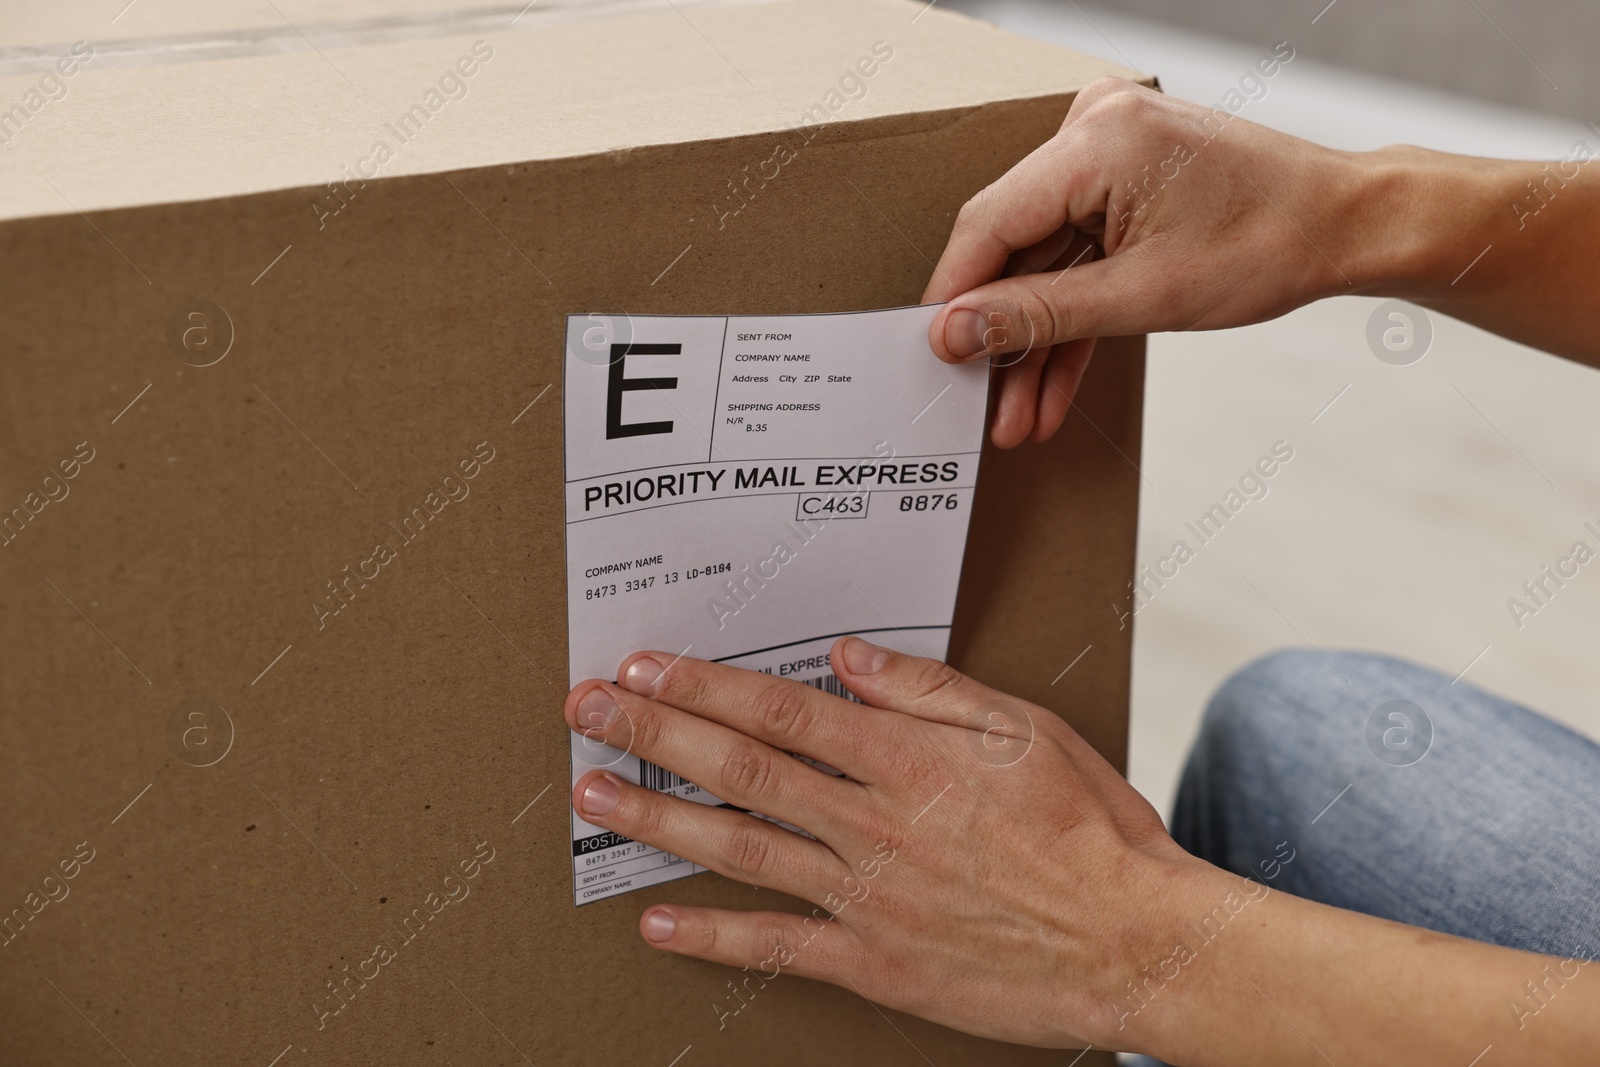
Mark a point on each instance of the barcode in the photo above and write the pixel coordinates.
(658, 778)
(829, 683)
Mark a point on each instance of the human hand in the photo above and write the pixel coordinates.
(1144, 213)
(980, 865)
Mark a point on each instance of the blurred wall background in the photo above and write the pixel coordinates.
(1537, 54)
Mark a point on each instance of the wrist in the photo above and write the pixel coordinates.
(1416, 219)
(1149, 991)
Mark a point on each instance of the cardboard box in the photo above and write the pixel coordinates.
(227, 380)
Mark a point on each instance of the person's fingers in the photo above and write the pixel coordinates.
(732, 843)
(1066, 180)
(1024, 397)
(781, 712)
(911, 685)
(1094, 299)
(1041, 255)
(1016, 400)
(1078, 248)
(1001, 728)
(769, 943)
(1058, 386)
(733, 766)
(1097, 91)
(1052, 187)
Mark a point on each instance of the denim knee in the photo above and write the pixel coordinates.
(1399, 792)
(1261, 715)
(1261, 749)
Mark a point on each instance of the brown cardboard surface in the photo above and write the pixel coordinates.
(128, 136)
(353, 767)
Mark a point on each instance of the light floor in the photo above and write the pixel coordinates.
(1415, 505)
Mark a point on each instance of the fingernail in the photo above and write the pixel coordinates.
(596, 710)
(600, 796)
(641, 677)
(862, 657)
(963, 333)
(658, 926)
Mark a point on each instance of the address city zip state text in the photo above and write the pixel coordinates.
(706, 482)
(746, 490)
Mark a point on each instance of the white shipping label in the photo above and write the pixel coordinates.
(747, 490)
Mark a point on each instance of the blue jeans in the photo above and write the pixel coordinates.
(1399, 794)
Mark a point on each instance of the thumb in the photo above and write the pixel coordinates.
(1036, 311)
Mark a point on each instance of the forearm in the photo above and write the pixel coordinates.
(1282, 980)
(1511, 246)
